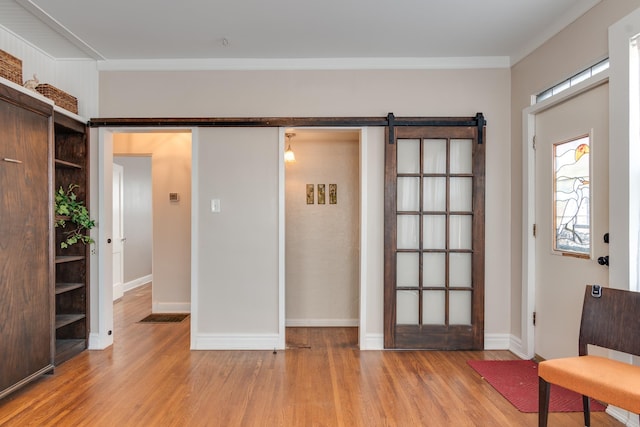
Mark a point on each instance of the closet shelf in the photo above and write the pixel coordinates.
(68, 258)
(67, 319)
(67, 287)
(65, 164)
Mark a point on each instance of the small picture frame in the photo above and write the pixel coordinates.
(310, 194)
(321, 194)
(333, 194)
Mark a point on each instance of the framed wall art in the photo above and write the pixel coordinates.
(321, 194)
(310, 194)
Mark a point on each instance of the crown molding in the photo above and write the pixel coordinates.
(305, 64)
(56, 26)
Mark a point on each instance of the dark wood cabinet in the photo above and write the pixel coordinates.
(26, 309)
(71, 264)
(44, 297)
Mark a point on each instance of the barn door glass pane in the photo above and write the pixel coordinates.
(460, 270)
(433, 306)
(460, 232)
(408, 156)
(460, 307)
(435, 156)
(407, 271)
(434, 194)
(408, 194)
(408, 231)
(461, 194)
(434, 232)
(461, 150)
(433, 270)
(407, 307)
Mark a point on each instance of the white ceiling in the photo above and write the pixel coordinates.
(288, 29)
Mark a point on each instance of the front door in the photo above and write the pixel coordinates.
(434, 238)
(572, 181)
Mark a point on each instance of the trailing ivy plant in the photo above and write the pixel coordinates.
(70, 210)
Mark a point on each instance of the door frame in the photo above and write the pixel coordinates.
(362, 285)
(103, 257)
(527, 346)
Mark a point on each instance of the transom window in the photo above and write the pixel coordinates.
(573, 80)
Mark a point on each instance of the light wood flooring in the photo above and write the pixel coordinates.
(149, 377)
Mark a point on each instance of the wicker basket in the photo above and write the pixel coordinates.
(10, 67)
(59, 97)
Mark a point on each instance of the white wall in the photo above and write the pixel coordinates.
(322, 240)
(138, 218)
(171, 172)
(237, 249)
(227, 163)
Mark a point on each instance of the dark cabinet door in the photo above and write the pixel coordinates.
(25, 289)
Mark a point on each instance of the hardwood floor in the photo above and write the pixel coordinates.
(149, 377)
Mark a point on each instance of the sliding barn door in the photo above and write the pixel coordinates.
(434, 237)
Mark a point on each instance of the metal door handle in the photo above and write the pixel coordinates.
(603, 260)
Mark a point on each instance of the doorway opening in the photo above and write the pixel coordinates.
(167, 154)
(322, 236)
(167, 195)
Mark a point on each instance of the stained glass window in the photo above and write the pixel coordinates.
(571, 207)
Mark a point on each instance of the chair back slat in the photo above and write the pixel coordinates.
(611, 321)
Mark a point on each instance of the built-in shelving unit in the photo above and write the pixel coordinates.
(44, 308)
(71, 152)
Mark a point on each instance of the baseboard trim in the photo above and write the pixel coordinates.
(321, 323)
(97, 343)
(373, 342)
(496, 341)
(236, 342)
(171, 307)
(118, 291)
(625, 417)
(515, 347)
(136, 283)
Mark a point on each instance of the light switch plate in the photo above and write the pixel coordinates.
(215, 205)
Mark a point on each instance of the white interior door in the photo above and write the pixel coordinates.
(571, 215)
(118, 232)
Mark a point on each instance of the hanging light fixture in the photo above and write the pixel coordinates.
(289, 157)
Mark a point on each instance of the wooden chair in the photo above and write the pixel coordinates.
(612, 321)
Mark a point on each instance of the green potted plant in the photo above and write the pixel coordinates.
(70, 210)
